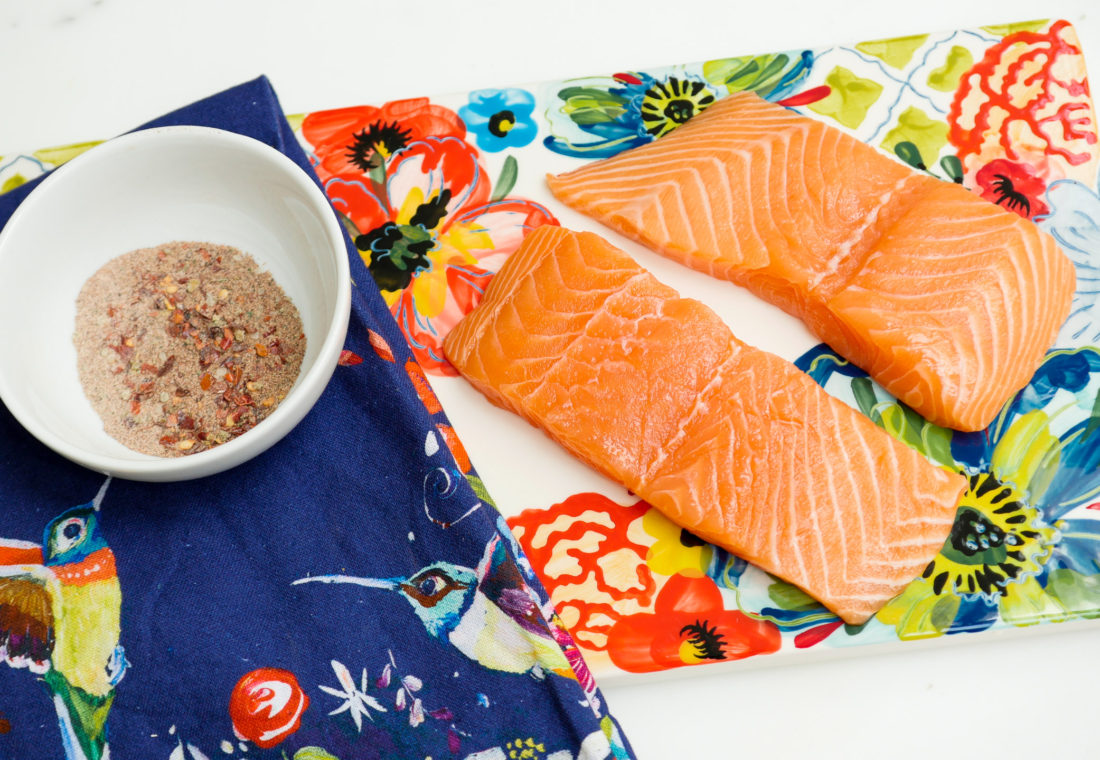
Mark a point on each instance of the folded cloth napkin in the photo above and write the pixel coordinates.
(172, 620)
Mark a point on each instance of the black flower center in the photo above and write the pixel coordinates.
(973, 533)
(666, 105)
(502, 122)
(705, 640)
(370, 147)
(399, 251)
(431, 212)
(996, 537)
(690, 540)
(679, 110)
(1008, 196)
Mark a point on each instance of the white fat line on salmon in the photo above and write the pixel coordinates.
(870, 220)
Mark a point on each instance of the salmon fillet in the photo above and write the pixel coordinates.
(733, 443)
(945, 299)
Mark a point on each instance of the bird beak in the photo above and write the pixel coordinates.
(102, 492)
(385, 583)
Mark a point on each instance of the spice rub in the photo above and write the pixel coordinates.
(185, 346)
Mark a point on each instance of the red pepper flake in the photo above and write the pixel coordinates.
(189, 329)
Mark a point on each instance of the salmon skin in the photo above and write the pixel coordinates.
(733, 443)
(947, 300)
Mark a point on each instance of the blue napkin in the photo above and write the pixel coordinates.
(175, 621)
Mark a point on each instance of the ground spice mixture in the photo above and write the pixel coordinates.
(185, 346)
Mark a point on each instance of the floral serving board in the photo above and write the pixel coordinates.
(437, 192)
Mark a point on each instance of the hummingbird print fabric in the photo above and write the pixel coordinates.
(351, 593)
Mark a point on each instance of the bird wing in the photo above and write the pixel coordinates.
(26, 609)
(503, 583)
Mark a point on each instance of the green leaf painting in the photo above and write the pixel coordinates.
(507, 179)
(946, 77)
(896, 52)
(850, 97)
(760, 73)
(591, 105)
(927, 135)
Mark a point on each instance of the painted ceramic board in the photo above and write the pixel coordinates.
(437, 192)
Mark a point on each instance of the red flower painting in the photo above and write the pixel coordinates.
(422, 212)
(362, 138)
(688, 626)
(1013, 186)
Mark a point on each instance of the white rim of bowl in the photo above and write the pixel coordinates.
(310, 386)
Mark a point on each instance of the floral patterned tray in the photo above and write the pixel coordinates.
(438, 192)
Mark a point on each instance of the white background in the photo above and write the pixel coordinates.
(73, 70)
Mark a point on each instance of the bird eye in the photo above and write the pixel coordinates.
(69, 534)
(429, 586)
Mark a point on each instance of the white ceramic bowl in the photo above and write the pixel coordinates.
(145, 189)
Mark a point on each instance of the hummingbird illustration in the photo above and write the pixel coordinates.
(59, 618)
(489, 614)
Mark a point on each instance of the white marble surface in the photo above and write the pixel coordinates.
(82, 69)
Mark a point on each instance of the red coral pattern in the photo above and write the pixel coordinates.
(574, 557)
(1027, 101)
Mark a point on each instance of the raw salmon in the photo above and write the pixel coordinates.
(733, 443)
(947, 300)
